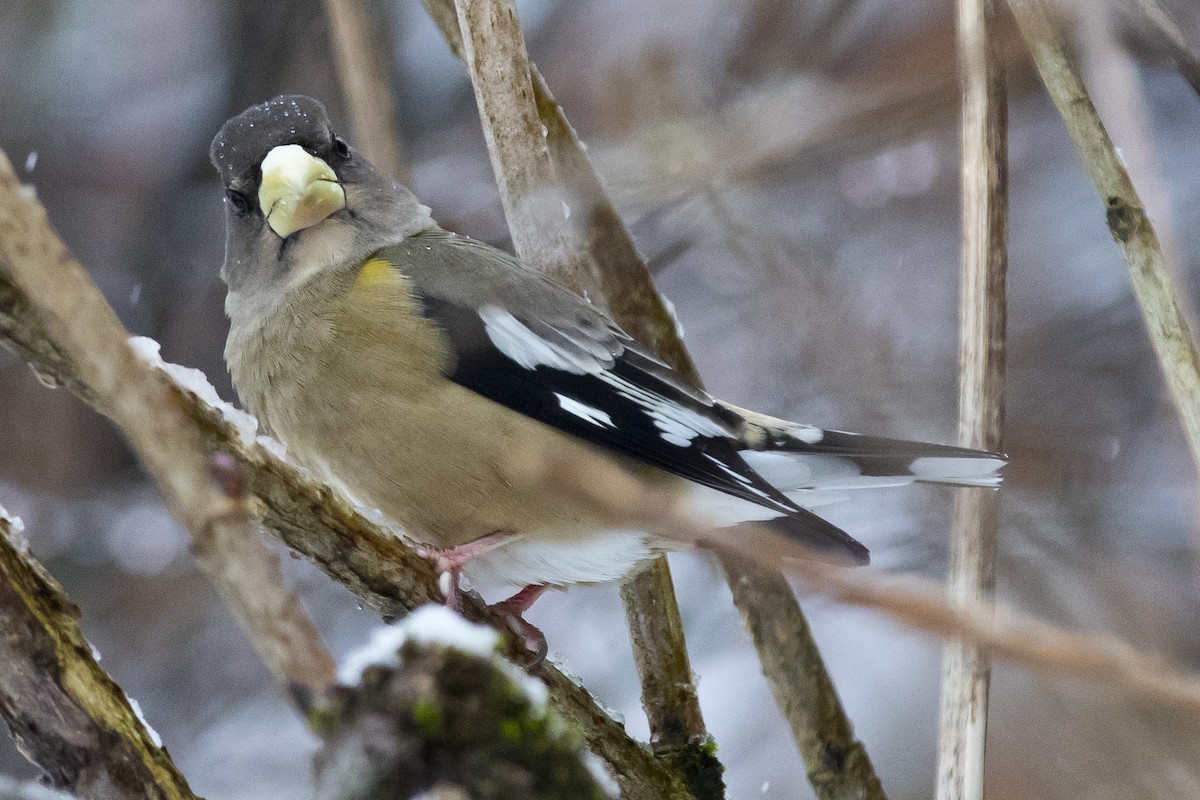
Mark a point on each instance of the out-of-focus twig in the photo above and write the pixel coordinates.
(362, 69)
(250, 580)
(493, 49)
(837, 763)
(615, 269)
(617, 277)
(524, 126)
(310, 518)
(1116, 89)
(912, 601)
(441, 715)
(65, 712)
(1187, 59)
(1126, 216)
(84, 329)
(966, 669)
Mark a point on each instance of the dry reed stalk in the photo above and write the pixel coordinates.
(966, 668)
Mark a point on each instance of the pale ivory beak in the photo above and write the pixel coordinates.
(298, 190)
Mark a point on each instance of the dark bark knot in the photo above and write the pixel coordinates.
(1123, 219)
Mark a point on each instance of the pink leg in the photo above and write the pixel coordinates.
(450, 561)
(514, 608)
(520, 602)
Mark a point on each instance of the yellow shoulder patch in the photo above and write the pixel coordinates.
(375, 273)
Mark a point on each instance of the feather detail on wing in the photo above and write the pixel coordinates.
(533, 346)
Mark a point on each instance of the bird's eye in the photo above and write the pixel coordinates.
(238, 200)
(340, 148)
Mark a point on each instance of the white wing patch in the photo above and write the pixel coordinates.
(513, 338)
(677, 425)
(963, 471)
(585, 412)
(807, 433)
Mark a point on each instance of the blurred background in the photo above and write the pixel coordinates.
(790, 169)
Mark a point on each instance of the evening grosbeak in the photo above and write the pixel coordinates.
(406, 364)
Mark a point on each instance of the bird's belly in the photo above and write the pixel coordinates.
(549, 557)
(440, 463)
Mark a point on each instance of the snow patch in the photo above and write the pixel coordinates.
(427, 625)
(11, 787)
(137, 709)
(272, 446)
(14, 523)
(196, 382)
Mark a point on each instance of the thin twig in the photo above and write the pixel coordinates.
(1120, 98)
(618, 279)
(494, 52)
(966, 669)
(310, 518)
(1187, 59)
(74, 315)
(837, 764)
(68, 716)
(362, 70)
(1126, 216)
(917, 603)
(521, 135)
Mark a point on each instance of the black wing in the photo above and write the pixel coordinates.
(535, 347)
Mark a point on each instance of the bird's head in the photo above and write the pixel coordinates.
(299, 199)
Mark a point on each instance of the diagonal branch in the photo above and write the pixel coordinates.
(837, 763)
(65, 712)
(966, 669)
(1126, 216)
(1168, 33)
(523, 126)
(617, 277)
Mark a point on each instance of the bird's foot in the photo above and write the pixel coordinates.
(449, 563)
(513, 609)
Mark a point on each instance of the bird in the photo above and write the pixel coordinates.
(405, 364)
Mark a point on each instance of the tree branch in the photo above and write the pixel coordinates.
(837, 764)
(524, 126)
(966, 669)
(435, 709)
(1126, 216)
(66, 714)
(617, 278)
